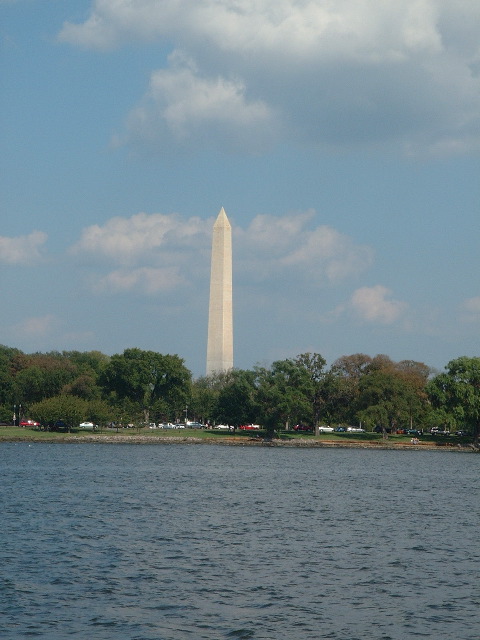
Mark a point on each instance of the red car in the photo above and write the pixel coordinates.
(302, 427)
(29, 423)
(250, 427)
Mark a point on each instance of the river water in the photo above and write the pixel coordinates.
(171, 542)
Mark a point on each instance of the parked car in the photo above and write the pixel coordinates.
(325, 429)
(355, 430)
(436, 431)
(249, 427)
(302, 427)
(195, 425)
(29, 423)
(59, 425)
(86, 425)
(340, 429)
(414, 432)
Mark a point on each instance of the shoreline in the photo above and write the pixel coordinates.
(245, 442)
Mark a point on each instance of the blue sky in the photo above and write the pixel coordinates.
(342, 138)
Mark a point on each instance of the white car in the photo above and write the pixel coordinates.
(325, 429)
(87, 425)
(355, 430)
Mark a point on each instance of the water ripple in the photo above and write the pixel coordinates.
(157, 543)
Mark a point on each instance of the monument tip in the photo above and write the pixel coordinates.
(222, 219)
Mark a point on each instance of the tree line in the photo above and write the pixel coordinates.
(139, 386)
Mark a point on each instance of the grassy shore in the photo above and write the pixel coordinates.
(199, 436)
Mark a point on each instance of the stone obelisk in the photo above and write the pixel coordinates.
(220, 325)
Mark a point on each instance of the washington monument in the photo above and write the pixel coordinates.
(220, 325)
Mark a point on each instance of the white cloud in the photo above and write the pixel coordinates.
(36, 327)
(45, 332)
(198, 110)
(471, 308)
(285, 246)
(333, 74)
(143, 237)
(372, 305)
(286, 26)
(158, 252)
(22, 249)
(143, 280)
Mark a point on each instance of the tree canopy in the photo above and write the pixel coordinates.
(457, 393)
(138, 386)
(147, 378)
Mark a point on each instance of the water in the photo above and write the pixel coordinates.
(152, 542)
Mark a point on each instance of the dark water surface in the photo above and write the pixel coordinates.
(169, 542)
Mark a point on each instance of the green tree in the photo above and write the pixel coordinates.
(87, 362)
(314, 388)
(83, 386)
(204, 396)
(236, 403)
(284, 394)
(342, 382)
(7, 392)
(457, 392)
(352, 367)
(88, 366)
(340, 396)
(145, 377)
(69, 409)
(385, 399)
(98, 412)
(41, 376)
